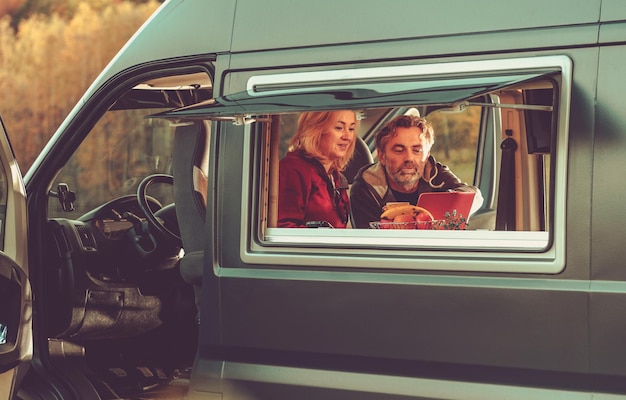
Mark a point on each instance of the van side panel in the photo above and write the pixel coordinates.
(613, 10)
(429, 50)
(421, 323)
(457, 321)
(580, 175)
(608, 300)
(323, 22)
(609, 192)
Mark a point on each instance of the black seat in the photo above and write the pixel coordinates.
(190, 190)
(362, 156)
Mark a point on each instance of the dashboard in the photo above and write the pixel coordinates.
(99, 278)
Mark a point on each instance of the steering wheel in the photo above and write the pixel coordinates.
(155, 224)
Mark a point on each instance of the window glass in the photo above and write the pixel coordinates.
(123, 148)
(455, 144)
(456, 135)
(456, 140)
(515, 212)
(127, 145)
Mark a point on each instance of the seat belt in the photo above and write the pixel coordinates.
(505, 216)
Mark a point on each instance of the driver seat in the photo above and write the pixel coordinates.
(190, 169)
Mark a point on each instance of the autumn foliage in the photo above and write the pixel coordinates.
(8, 7)
(49, 60)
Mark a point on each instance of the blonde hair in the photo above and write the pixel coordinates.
(311, 126)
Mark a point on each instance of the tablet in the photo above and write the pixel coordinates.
(438, 203)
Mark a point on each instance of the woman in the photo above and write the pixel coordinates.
(311, 187)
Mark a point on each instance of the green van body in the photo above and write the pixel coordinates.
(346, 321)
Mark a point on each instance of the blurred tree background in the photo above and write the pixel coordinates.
(456, 140)
(50, 52)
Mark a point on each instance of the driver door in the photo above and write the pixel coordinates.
(15, 295)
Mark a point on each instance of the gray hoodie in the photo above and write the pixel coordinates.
(370, 190)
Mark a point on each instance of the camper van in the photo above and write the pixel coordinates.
(143, 258)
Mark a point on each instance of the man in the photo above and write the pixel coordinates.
(404, 171)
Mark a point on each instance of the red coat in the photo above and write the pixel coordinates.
(306, 193)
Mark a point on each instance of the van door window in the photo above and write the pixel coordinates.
(125, 146)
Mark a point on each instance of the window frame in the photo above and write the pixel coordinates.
(479, 251)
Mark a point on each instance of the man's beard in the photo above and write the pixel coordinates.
(407, 181)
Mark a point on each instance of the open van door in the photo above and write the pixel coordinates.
(15, 294)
